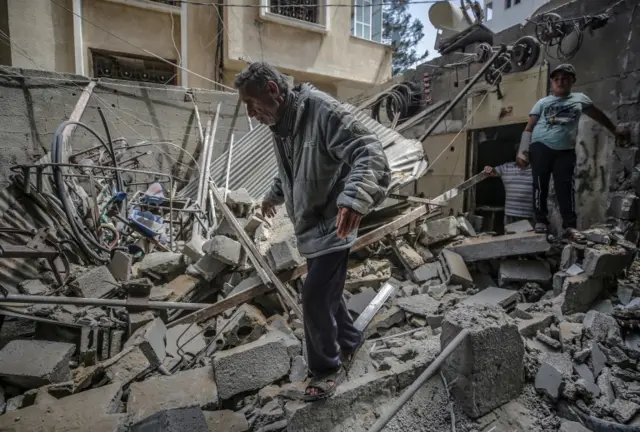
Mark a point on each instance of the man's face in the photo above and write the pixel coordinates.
(561, 83)
(263, 105)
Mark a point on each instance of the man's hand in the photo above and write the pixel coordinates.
(347, 221)
(268, 209)
(490, 170)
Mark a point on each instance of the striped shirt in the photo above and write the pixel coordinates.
(518, 187)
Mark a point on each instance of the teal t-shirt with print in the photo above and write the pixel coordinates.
(557, 126)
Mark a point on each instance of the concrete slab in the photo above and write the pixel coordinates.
(598, 359)
(487, 370)
(33, 363)
(423, 305)
(33, 287)
(548, 381)
(95, 283)
(162, 265)
(569, 426)
(569, 257)
(485, 248)
(195, 387)
(598, 325)
(226, 420)
(494, 296)
(524, 271)
(173, 420)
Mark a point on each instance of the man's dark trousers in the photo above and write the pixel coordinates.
(328, 327)
(546, 162)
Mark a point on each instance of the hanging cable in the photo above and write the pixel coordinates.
(403, 100)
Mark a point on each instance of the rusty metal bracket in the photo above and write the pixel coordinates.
(138, 293)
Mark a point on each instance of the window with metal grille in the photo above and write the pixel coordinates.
(303, 10)
(167, 2)
(132, 68)
(367, 20)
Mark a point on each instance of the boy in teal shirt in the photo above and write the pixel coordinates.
(549, 141)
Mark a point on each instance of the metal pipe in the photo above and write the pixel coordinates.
(226, 180)
(424, 376)
(82, 301)
(463, 92)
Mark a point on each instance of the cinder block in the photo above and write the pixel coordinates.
(435, 231)
(224, 249)
(455, 266)
(606, 261)
(95, 283)
(246, 325)
(487, 369)
(580, 292)
(35, 363)
(284, 255)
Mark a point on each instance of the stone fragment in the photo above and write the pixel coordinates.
(624, 410)
(226, 421)
(580, 292)
(529, 328)
(359, 302)
(604, 306)
(423, 305)
(523, 271)
(240, 202)
(574, 270)
(207, 267)
(173, 420)
(33, 287)
(558, 282)
(625, 294)
(606, 261)
(410, 258)
(553, 343)
(162, 265)
(584, 372)
(427, 272)
(251, 366)
(560, 361)
(548, 381)
(14, 403)
(152, 341)
(299, 370)
(518, 227)
(465, 227)
(587, 389)
(569, 256)
(569, 333)
(223, 249)
(94, 283)
(570, 426)
(284, 255)
(435, 231)
(598, 359)
(139, 319)
(494, 296)
(597, 325)
(194, 387)
(246, 325)
(604, 382)
(33, 363)
(456, 269)
(486, 248)
(184, 340)
(582, 355)
(385, 319)
(120, 266)
(437, 291)
(487, 370)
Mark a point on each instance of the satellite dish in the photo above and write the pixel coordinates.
(447, 16)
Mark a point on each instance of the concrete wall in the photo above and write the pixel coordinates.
(32, 109)
(503, 17)
(608, 66)
(337, 61)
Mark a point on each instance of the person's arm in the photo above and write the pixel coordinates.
(347, 140)
(534, 116)
(596, 114)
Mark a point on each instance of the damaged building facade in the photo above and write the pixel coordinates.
(148, 292)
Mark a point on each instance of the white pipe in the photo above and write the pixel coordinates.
(77, 37)
(226, 181)
(183, 44)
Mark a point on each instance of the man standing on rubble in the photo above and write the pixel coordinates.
(549, 141)
(331, 172)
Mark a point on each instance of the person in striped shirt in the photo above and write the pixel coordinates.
(518, 186)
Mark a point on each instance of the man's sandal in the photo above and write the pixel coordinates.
(575, 236)
(326, 384)
(348, 358)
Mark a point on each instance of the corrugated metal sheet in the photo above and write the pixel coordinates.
(253, 162)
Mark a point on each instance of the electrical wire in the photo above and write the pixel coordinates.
(403, 100)
(317, 6)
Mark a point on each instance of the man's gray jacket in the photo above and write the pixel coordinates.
(335, 162)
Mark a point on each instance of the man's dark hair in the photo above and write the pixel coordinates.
(257, 75)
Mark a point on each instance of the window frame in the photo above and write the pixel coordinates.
(355, 22)
(322, 27)
(507, 4)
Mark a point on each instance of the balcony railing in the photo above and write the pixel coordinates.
(303, 10)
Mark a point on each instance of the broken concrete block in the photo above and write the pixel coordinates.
(173, 420)
(625, 294)
(299, 371)
(570, 426)
(624, 410)
(95, 283)
(33, 287)
(598, 359)
(548, 340)
(181, 390)
(176, 290)
(597, 325)
(465, 227)
(223, 249)
(385, 319)
(436, 291)
(34, 363)
(246, 325)
(487, 370)
(558, 282)
(139, 319)
(284, 255)
(226, 420)
(251, 366)
(435, 231)
(208, 267)
(505, 298)
(456, 268)
(606, 261)
(184, 340)
(14, 403)
(423, 305)
(584, 372)
(529, 328)
(569, 333)
(518, 227)
(589, 390)
(162, 265)
(580, 292)
(604, 382)
(427, 272)
(410, 258)
(548, 381)
(359, 302)
(120, 265)
(485, 248)
(569, 256)
(152, 341)
(523, 271)
(240, 202)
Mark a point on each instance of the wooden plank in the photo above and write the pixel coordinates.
(262, 267)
